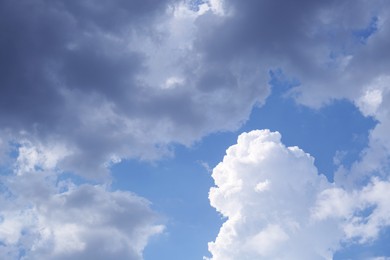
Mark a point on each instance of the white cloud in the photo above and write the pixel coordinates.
(266, 192)
(44, 216)
(370, 101)
(363, 212)
(277, 206)
(267, 240)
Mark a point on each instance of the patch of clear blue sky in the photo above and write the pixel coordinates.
(363, 34)
(12, 152)
(376, 248)
(194, 4)
(178, 187)
(336, 127)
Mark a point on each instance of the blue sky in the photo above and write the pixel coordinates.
(179, 129)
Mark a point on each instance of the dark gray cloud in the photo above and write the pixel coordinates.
(50, 45)
(98, 75)
(92, 75)
(310, 41)
(118, 79)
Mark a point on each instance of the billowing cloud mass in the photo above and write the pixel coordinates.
(277, 206)
(122, 79)
(44, 216)
(266, 191)
(115, 79)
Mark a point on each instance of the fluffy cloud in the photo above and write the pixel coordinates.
(266, 192)
(277, 206)
(45, 216)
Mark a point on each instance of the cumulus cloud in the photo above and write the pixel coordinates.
(46, 216)
(266, 190)
(277, 206)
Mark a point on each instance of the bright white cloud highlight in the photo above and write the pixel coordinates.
(266, 190)
(277, 206)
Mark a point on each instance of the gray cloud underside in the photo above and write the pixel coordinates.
(122, 79)
(78, 73)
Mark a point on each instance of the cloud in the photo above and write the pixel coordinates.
(277, 206)
(46, 216)
(363, 212)
(266, 192)
(334, 49)
(115, 79)
(128, 79)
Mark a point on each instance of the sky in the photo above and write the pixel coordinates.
(194, 129)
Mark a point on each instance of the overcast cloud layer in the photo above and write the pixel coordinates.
(87, 84)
